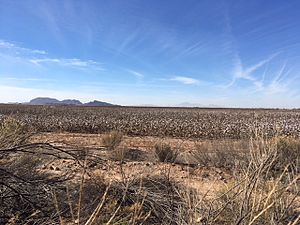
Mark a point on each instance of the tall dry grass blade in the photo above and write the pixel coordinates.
(61, 221)
(261, 213)
(96, 212)
(70, 204)
(81, 189)
(296, 221)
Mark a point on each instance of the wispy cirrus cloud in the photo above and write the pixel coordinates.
(261, 81)
(6, 45)
(275, 86)
(185, 80)
(39, 57)
(240, 72)
(27, 78)
(18, 49)
(76, 63)
(281, 83)
(136, 74)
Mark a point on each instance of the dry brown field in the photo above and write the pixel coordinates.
(207, 123)
(132, 165)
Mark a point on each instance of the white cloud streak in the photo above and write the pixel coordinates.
(268, 88)
(279, 83)
(239, 72)
(39, 57)
(17, 49)
(76, 63)
(185, 80)
(136, 74)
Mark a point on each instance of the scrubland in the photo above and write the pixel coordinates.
(84, 165)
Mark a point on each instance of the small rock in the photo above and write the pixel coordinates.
(218, 171)
(200, 219)
(92, 165)
(205, 175)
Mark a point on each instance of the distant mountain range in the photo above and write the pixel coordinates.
(75, 102)
(53, 101)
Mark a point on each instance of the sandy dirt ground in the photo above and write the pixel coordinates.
(142, 163)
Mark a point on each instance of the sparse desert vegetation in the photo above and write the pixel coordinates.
(127, 166)
(144, 112)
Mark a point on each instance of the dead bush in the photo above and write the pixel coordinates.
(160, 197)
(151, 200)
(122, 153)
(119, 154)
(112, 139)
(165, 153)
(288, 150)
(13, 132)
(280, 152)
(221, 154)
(25, 190)
(258, 195)
(256, 200)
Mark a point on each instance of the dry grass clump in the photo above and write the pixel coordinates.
(254, 201)
(123, 153)
(235, 155)
(13, 132)
(165, 153)
(112, 139)
(288, 150)
(258, 201)
(265, 188)
(222, 154)
(119, 154)
(25, 191)
(152, 200)
(281, 152)
(161, 198)
(260, 193)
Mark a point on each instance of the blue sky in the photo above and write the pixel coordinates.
(232, 53)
